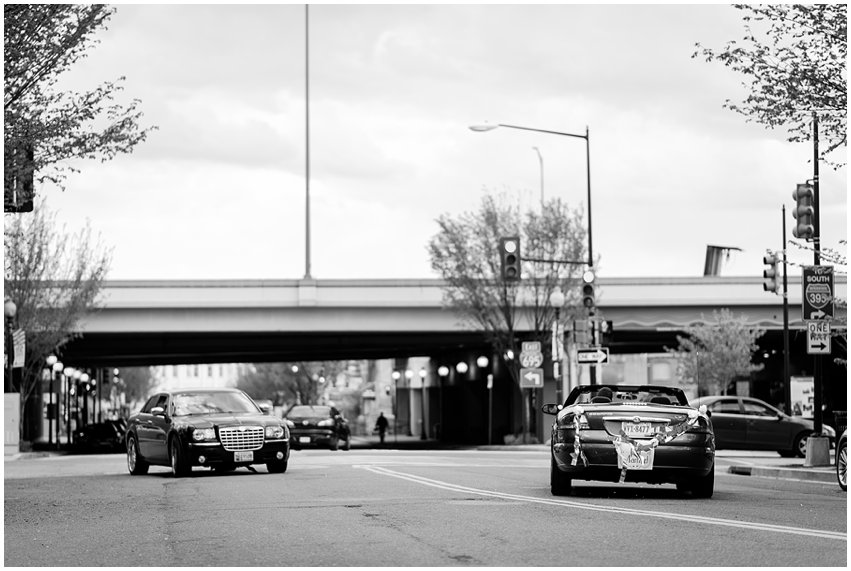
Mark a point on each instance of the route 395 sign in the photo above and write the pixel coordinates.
(817, 296)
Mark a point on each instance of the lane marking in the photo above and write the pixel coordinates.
(610, 509)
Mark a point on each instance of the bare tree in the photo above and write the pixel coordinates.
(795, 57)
(54, 279)
(465, 253)
(715, 354)
(44, 128)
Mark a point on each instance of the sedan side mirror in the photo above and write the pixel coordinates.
(551, 408)
(158, 411)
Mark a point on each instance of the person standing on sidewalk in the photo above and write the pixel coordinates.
(381, 426)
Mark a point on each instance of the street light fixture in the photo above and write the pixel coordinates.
(586, 136)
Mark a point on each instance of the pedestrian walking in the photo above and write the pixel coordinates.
(381, 426)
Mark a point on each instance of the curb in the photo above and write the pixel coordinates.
(825, 476)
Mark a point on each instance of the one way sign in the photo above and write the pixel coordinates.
(818, 337)
(597, 355)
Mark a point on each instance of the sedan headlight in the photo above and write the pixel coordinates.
(202, 434)
(275, 432)
(329, 422)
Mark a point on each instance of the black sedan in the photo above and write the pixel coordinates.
(746, 423)
(217, 428)
(630, 433)
(317, 425)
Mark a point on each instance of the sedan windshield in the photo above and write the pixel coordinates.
(627, 395)
(186, 404)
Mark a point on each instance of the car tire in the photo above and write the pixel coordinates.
(334, 443)
(135, 465)
(560, 484)
(842, 465)
(799, 448)
(702, 487)
(179, 461)
(277, 466)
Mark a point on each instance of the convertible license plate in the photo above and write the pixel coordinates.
(243, 456)
(304, 439)
(633, 459)
(637, 429)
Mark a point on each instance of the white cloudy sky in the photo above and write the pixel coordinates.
(219, 190)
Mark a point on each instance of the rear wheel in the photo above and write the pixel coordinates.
(135, 465)
(702, 487)
(842, 465)
(276, 466)
(179, 461)
(560, 484)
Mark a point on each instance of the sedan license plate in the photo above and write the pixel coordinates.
(304, 439)
(637, 429)
(243, 456)
(633, 459)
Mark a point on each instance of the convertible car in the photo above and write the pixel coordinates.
(220, 429)
(631, 433)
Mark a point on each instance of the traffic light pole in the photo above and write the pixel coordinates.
(817, 413)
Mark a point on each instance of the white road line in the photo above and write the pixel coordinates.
(627, 511)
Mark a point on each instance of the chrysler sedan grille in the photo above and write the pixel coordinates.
(242, 437)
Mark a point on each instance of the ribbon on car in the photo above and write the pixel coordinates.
(577, 453)
(628, 447)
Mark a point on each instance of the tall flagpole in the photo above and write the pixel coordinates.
(307, 145)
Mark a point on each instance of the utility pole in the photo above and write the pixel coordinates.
(787, 388)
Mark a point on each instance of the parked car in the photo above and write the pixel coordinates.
(317, 425)
(631, 433)
(746, 423)
(217, 428)
(842, 460)
(107, 436)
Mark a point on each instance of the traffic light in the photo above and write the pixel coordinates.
(588, 290)
(771, 282)
(804, 212)
(607, 331)
(509, 255)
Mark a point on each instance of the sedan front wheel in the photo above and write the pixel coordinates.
(135, 465)
(179, 461)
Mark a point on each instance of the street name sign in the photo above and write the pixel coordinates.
(596, 355)
(531, 378)
(817, 299)
(818, 337)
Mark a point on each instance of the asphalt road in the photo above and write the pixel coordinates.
(406, 508)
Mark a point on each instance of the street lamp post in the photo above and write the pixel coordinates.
(9, 312)
(56, 370)
(586, 136)
(395, 375)
(557, 300)
(409, 374)
(422, 404)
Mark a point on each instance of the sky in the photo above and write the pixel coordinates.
(218, 191)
